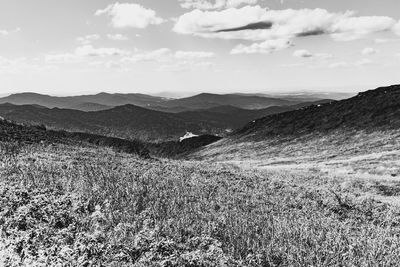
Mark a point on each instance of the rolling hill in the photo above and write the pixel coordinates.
(349, 136)
(206, 100)
(128, 121)
(22, 135)
(133, 122)
(96, 102)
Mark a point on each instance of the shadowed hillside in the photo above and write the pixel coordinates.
(372, 110)
(27, 135)
(358, 136)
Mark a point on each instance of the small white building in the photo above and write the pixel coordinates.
(187, 136)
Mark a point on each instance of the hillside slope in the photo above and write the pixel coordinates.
(68, 206)
(359, 136)
(377, 109)
(27, 135)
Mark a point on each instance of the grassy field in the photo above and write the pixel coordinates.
(62, 205)
(353, 153)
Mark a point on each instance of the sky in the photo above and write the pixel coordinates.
(71, 47)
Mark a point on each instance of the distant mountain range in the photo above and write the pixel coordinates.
(105, 101)
(96, 102)
(134, 122)
(305, 96)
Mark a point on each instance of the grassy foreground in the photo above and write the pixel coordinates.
(78, 206)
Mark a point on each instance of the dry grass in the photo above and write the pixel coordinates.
(349, 153)
(84, 207)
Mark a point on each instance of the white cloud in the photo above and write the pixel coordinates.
(160, 55)
(237, 3)
(117, 37)
(302, 53)
(113, 57)
(62, 58)
(264, 47)
(257, 24)
(369, 51)
(7, 32)
(166, 55)
(193, 54)
(217, 4)
(88, 39)
(202, 4)
(85, 51)
(208, 22)
(90, 51)
(352, 28)
(130, 15)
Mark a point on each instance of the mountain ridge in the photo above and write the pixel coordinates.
(103, 101)
(341, 133)
(378, 108)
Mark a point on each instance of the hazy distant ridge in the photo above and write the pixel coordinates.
(105, 101)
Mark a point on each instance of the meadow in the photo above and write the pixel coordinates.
(352, 153)
(65, 205)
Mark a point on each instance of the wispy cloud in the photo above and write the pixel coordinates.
(86, 51)
(117, 37)
(88, 39)
(216, 4)
(263, 48)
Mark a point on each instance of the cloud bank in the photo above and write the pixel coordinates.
(255, 23)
